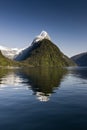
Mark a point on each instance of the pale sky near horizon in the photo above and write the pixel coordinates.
(64, 20)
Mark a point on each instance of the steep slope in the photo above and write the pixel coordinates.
(22, 54)
(80, 59)
(45, 53)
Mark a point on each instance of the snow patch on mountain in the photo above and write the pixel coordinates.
(9, 52)
(43, 35)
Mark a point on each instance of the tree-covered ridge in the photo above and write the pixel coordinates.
(45, 53)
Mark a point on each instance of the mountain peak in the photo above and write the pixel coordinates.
(44, 34)
(41, 36)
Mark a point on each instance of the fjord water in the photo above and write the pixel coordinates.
(42, 99)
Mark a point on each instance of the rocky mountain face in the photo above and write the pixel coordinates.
(45, 53)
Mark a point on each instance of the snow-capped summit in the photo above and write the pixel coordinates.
(43, 35)
(23, 53)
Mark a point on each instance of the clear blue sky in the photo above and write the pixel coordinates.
(64, 20)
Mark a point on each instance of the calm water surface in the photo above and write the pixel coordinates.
(42, 99)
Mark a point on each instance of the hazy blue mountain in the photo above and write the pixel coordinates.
(80, 59)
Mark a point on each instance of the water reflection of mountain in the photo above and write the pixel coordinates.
(44, 81)
(41, 81)
(8, 77)
(80, 72)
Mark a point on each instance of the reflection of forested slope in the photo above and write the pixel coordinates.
(5, 74)
(40, 80)
(44, 80)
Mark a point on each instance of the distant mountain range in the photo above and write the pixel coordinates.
(7, 62)
(10, 53)
(80, 59)
(41, 52)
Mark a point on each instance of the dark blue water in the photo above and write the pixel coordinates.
(42, 99)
